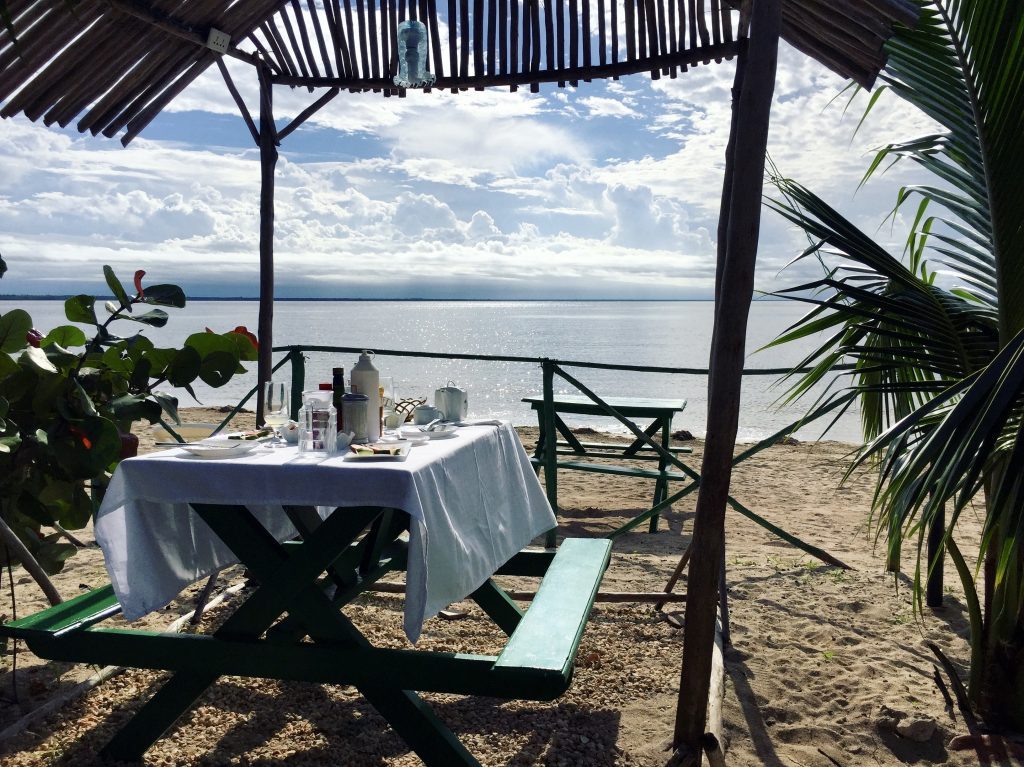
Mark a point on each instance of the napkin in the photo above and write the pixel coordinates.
(480, 422)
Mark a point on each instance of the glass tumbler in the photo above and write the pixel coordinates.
(318, 424)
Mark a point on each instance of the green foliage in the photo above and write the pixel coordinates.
(939, 372)
(66, 399)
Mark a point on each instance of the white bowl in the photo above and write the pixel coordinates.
(190, 432)
(290, 432)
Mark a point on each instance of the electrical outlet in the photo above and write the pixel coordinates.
(218, 41)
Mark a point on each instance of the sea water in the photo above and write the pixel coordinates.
(657, 333)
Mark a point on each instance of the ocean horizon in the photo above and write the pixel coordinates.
(659, 333)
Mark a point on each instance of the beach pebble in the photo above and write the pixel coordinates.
(917, 730)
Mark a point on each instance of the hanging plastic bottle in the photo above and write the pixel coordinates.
(366, 380)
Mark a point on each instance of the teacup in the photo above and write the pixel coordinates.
(424, 414)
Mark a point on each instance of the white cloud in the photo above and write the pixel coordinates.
(598, 106)
(537, 192)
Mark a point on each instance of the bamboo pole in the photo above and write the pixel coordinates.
(268, 161)
(318, 31)
(17, 550)
(250, 124)
(755, 84)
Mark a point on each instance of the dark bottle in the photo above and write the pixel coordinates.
(338, 385)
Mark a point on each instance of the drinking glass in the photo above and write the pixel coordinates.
(275, 410)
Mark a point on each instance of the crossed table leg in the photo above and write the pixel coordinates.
(288, 575)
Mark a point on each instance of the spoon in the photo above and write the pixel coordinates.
(432, 425)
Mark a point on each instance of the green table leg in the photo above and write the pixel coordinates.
(661, 484)
(250, 540)
(418, 725)
(498, 605)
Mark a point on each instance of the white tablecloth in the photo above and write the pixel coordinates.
(474, 501)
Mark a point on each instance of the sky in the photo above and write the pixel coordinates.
(608, 191)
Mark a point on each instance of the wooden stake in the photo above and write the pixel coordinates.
(755, 84)
(268, 161)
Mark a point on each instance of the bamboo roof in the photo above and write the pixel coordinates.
(113, 65)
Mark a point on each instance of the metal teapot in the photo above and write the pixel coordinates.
(452, 401)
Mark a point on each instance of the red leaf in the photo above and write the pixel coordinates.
(33, 337)
(138, 281)
(243, 330)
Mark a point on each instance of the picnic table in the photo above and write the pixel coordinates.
(661, 413)
(316, 533)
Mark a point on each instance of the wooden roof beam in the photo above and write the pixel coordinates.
(172, 26)
(725, 50)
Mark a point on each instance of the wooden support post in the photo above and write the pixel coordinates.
(268, 161)
(754, 87)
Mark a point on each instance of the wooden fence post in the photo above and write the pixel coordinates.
(550, 445)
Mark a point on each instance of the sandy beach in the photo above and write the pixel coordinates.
(827, 666)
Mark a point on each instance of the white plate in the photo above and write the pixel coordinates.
(445, 432)
(219, 449)
(401, 455)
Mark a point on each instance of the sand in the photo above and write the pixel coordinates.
(827, 666)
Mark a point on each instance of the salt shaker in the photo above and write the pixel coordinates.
(354, 411)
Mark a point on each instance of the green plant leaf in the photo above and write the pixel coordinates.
(169, 404)
(14, 325)
(244, 347)
(184, 367)
(159, 359)
(87, 447)
(7, 365)
(205, 343)
(60, 356)
(52, 556)
(217, 368)
(66, 336)
(155, 317)
(165, 295)
(37, 359)
(132, 407)
(117, 288)
(139, 378)
(81, 308)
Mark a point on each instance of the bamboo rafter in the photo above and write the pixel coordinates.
(113, 65)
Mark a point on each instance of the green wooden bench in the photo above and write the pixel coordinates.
(536, 663)
(616, 450)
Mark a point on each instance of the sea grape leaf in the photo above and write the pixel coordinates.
(14, 325)
(65, 335)
(60, 356)
(81, 308)
(205, 343)
(165, 295)
(7, 366)
(159, 359)
(169, 404)
(37, 358)
(217, 368)
(139, 378)
(155, 317)
(51, 556)
(184, 367)
(87, 447)
(117, 288)
(131, 407)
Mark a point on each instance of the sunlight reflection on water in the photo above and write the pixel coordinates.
(673, 334)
